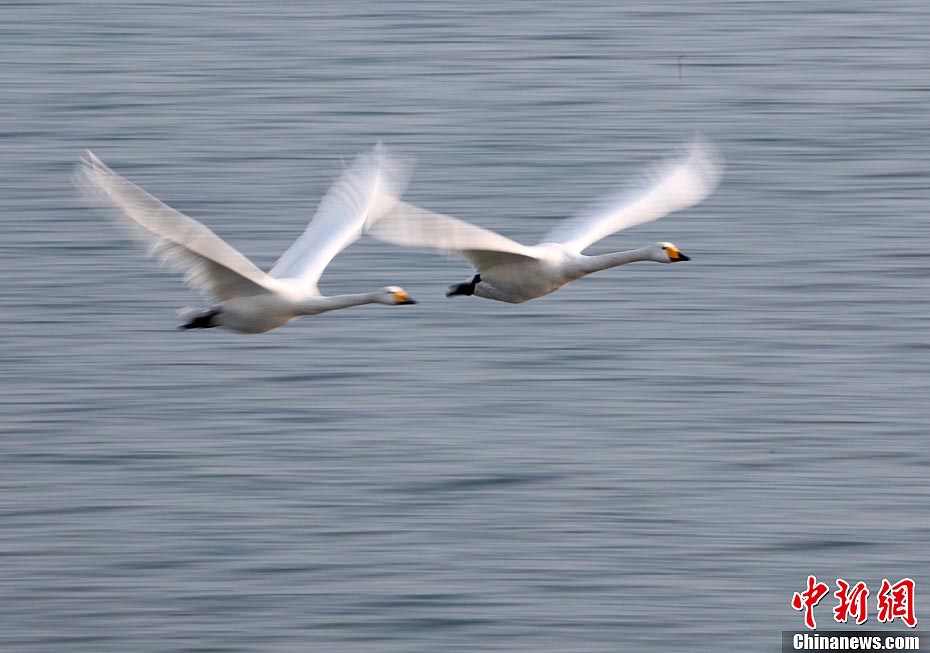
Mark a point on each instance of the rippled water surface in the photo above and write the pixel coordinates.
(648, 460)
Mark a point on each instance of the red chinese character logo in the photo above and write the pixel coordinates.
(897, 601)
(807, 599)
(852, 602)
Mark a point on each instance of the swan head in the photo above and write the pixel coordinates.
(666, 253)
(394, 296)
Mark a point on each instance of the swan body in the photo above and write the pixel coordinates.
(553, 266)
(247, 299)
(260, 313)
(508, 271)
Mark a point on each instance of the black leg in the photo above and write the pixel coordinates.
(467, 288)
(202, 321)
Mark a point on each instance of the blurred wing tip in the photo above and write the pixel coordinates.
(706, 159)
(90, 173)
(397, 164)
(90, 161)
(85, 175)
(392, 174)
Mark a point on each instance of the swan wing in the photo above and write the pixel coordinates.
(210, 265)
(413, 226)
(370, 186)
(672, 185)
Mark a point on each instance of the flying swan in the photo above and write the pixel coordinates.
(247, 299)
(510, 272)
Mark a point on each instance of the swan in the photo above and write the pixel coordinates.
(508, 271)
(247, 299)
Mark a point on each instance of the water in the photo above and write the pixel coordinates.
(651, 459)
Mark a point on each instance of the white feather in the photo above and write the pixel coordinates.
(363, 192)
(250, 300)
(414, 226)
(210, 265)
(671, 186)
(511, 272)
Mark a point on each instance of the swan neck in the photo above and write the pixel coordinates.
(320, 304)
(605, 261)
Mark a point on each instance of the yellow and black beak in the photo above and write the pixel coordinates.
(402, 297)
(675, 256)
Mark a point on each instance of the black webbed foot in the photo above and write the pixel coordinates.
(202, 321)
(467, 288)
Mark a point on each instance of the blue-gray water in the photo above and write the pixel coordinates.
(651, 459)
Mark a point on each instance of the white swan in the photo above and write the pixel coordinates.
(510, 272)
(247, 299)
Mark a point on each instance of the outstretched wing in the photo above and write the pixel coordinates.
(671, 186)
(368, 188)
(413, 226)
(210, 265)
